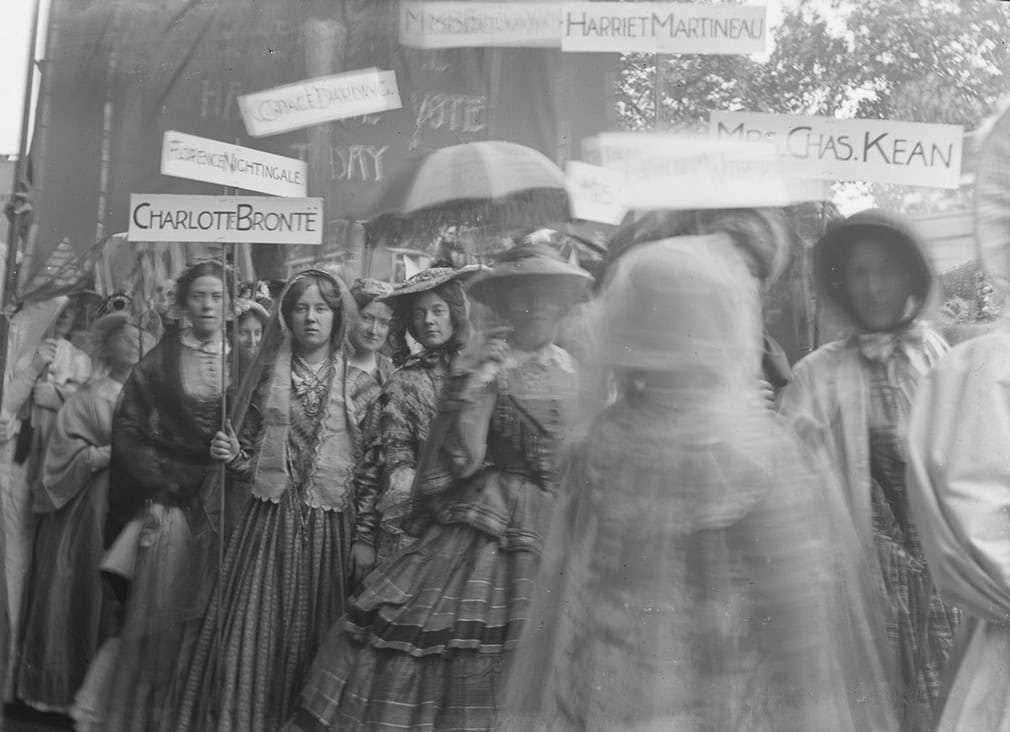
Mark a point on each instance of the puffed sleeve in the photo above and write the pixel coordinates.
(958, 474)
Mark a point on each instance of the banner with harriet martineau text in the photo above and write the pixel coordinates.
(654, 27)
(871, 150)
(159, 67)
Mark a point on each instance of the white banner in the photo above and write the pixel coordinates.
(876, 151)
(596, 193)
(325, 99)
(673, 172)
(235, 219)
(469, 24)
(649, 27)
(211, 161)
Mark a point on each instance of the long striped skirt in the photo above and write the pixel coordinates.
(425, 645)
(129, 684)
(284, 580)
(921, 626)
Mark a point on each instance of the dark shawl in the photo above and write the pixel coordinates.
(160, 437)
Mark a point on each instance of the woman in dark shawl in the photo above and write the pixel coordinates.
(161, 438)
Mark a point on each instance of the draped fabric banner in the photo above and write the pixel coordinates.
(120, 73)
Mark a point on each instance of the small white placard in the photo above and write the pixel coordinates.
(675, 172)
(469, 24)
(211, 161)
(596, 193)
(313, 102)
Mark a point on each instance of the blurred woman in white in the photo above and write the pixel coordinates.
(698, 575)
(959, 479)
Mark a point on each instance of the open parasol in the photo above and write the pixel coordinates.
(477, 184)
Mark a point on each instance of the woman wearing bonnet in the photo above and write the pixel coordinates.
(850, 401)
(698, 575)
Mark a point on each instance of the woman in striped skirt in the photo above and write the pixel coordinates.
(284, 579)
(424, 644)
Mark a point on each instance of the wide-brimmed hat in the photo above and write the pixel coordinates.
(831, 253)
(535, 261)
(429, 279)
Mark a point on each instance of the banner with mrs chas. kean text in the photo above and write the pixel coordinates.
(875, 151)
(121, 73)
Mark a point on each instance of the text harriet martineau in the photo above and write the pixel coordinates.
(658, 25)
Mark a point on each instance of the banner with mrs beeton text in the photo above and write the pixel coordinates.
(651, 27)
(472, 25)
(226, 219)
(315, 101)
(197, 158)
(870, 150)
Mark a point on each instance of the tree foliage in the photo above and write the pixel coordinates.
(935, 61)
(927, 61)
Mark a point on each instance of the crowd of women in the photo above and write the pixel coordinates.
(516, 498)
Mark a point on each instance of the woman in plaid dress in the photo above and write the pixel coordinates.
(850, 401)
(424, 645)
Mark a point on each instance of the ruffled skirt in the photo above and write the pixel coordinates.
(129, 686)
(425, 644)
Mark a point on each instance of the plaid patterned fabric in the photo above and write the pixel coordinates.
(386, 690)
(283, 588)
(422, 646)
(423, 643)
(920, 626)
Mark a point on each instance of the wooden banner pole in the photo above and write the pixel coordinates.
(13, 237)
